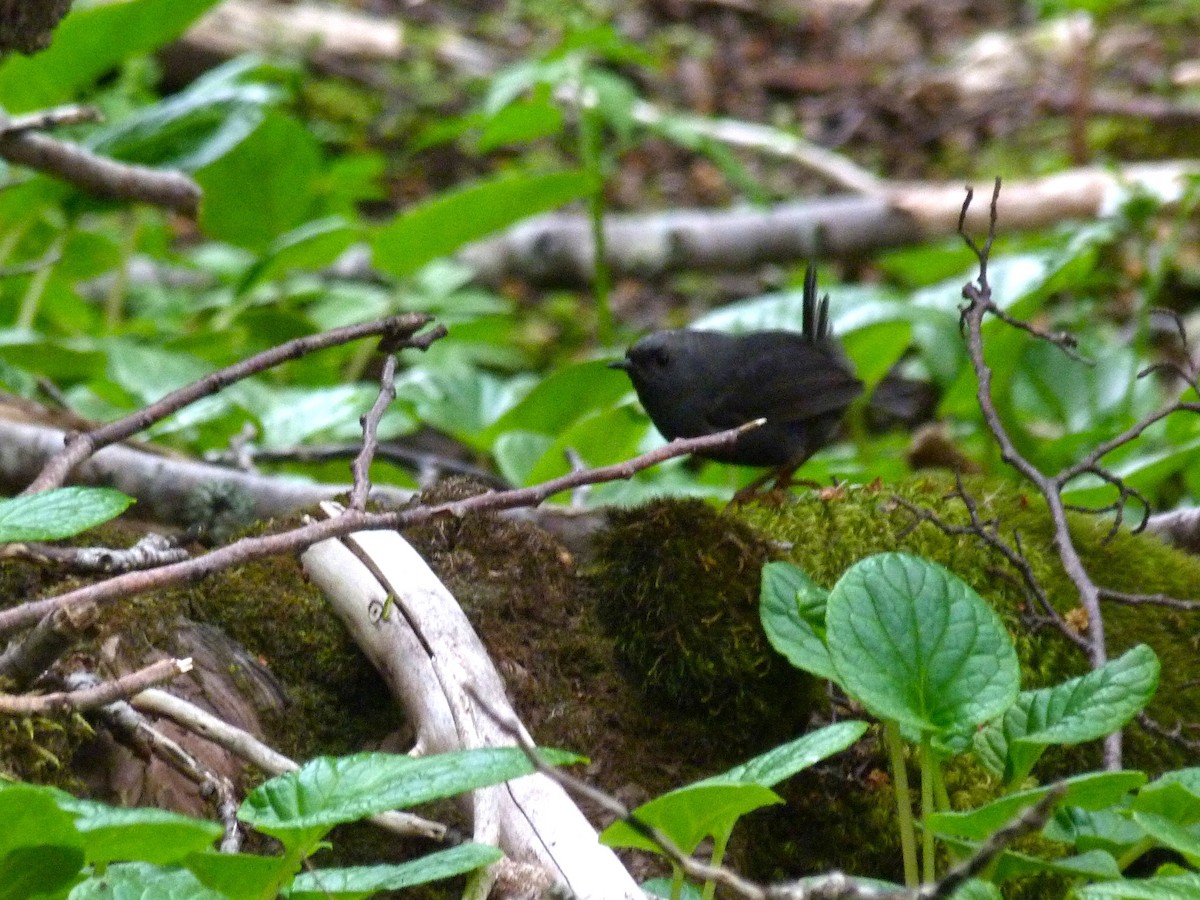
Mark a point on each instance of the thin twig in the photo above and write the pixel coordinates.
(394, 329)
(978, 295)
(89, 698)
(360, 469)
(101, 176)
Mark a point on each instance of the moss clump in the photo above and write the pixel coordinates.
(676, 582)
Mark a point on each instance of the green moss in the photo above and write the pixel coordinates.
(676, 582)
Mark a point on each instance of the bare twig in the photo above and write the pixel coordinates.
(99, 175)
(24, 660)
(89, 698)
(45, 119)
(424, 463)
(297, 539)
(82, 445)
(151, 550)
(361, 467)
(246, 746)
(978, 295)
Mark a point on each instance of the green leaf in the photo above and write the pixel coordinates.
(916, 644)
(517, 452)
(1174, 887)
(1092, 791)
(598, 438)
(262, 187)
(142, 881)
(1103, 829)
(563, 397)
(363, 881)
(772, 767)
(1180, 838)
(240, 876)
(440, 226)
(196, 126)
(1081, 709)
(40, 850)
(690, 814)
(521, 122)
(89, 42)
(792, 608)
(146, 835)
(61, 513)
(329, 791)
(310, 246)
(1010, 864)
(1175, 795)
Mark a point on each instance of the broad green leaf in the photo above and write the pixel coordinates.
(262, 187)
(517, 452)
(1102, 829)
(38, 871)
(916, 644)
(310, 246)
(521, 122)
(1092, 791)
(772, 767)
(440, 226)
(57, 360)
(978, 890)
(1175, 794)
(328, 791)
(146, 835)
(1174, 887)
(599, 439)
(690, 814)
(61, 513)
(1081, 709)
(142, 881)
(240, 876)
(1094, 864)
(89, 42)
(365, 881)
(1183, 839)
(663, 887)
(196, 126)
(40, 850)
(792, 608)
(563, 397)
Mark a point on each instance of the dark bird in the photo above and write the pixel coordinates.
(695, 382)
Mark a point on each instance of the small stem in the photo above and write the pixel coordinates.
(720, 842)
(32, 300)
(928, 767)
(904, 813)
(114, 300)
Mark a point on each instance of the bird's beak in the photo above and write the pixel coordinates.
(622, 364)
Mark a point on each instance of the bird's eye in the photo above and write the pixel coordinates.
(660, 357)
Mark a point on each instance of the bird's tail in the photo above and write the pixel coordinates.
(815, 322)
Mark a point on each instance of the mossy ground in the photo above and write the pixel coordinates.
(677, 584)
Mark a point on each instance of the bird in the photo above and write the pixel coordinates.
(694, 382)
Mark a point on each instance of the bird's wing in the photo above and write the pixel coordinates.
(815, 380)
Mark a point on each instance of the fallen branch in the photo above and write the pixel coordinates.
(557, 248)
